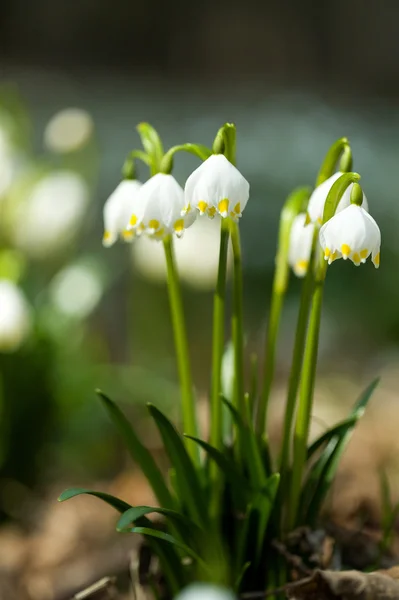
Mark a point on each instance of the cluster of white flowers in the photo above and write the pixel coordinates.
(351, 233)
(160, 207)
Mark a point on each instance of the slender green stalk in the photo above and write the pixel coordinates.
(218, 339)
(270, 357)
(295, 203)
(306, 392)
(295, 373)
(182, 353)
(237, 322)
(216, 434)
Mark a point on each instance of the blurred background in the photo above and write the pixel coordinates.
(76, 78)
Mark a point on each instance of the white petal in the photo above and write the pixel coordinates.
(318, 198)
(301, 237)
(353, 232)
(118, 209)
(217, 184)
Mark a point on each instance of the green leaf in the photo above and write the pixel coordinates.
(253, 458)
(264, 504)
(166, 537)
(152, 144)
(323, 471)
(338, 429)
(183, 523)
(227, 467)
(241, 574)
(191, 493)
(139, 452)
(120, 505)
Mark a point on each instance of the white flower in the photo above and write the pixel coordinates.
(161, 205)
(118, 209)
(15, 318)
(216, 186)
(76, 290)
(353, 234)
(48, 218)
(203, 237)
(318, 199)
(301, 237)
(205, 591)
(68, 130)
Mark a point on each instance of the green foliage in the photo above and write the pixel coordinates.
(224, 502)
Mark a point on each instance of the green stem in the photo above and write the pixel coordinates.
(237, 321)
(270, 357)
(216, 437)
(182, 353)
(306, 392)
(295, 373)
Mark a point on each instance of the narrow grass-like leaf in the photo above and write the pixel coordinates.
(116, 503)
(139, 452)
(253, 458)
(184, 524)
(241, 574)
(169, 560)
(323, 471)
(166, 537)
(264, 504)
(228, 468)
(187, 479)
(338, 429)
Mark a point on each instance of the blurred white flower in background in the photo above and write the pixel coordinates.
(197, 255)
(205, 591)
(49, 216)
(68, 130)
(76, 290)
(15, 316)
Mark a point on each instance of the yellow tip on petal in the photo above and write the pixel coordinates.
(108, 239)
(179, 225)
(186, 210)
(301, 266)
(356, 259)
(211, 212)
(153, 224)
(133, 220)
(332, 257)
(376, 260)
(202, 206)
(345, 249)
(223, 207)
(327, 253)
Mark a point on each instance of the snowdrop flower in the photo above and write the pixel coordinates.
(15, 318)
(160, 207)
(301, 238)
(118, 209)
(68, 130)
(48, 218)
(76, 290)
(216, 187)
(205, 591)
(318, 199)
(352, 234)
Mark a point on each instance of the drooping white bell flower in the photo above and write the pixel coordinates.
(319, 196)
(301, 238)
(205, 591)
(51, 213)
(352, 234)
(216, 186)
(160, 206)
(118, 209)
(15, 317)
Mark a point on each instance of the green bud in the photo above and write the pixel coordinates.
(129, 169)
(152, 145)
(356, 194)
(225, 142)
(346, 162)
